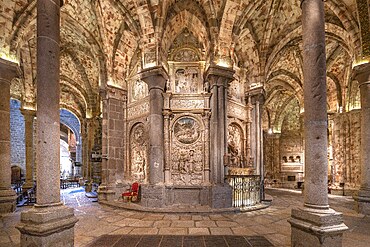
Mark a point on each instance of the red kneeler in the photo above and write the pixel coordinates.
(133, 193)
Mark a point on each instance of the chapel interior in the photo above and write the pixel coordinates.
(204, 103)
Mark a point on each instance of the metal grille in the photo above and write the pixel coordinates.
(246, 190)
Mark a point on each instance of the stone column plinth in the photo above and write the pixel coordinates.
(315, 224)
(29, 116)
(8, 71)
(156, 78)
(49, 222)
(362, 199)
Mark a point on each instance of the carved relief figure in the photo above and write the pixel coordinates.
(139, 90)
(138, 153)
(186, 80)
(187, 152)
(234, 145)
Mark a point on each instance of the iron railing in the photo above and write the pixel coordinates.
(246, 190)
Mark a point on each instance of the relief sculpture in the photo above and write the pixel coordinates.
(234, 145)
(186, 80)
(139, 90)
(138, 155)
(187, 153)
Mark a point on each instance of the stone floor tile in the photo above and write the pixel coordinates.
(263, 230)
(246, 231)
(171, 241)
(197, 217)
(162, 223)
(183, 223)
(122, 231)
(144, 231)
(278, 239)
(125, 222)
(142, 223)
(205, 223)
(223, 223)
(198, 231)
(173, 231)
(221, 231)
(171, 217)
(212, 241)
(185, 217)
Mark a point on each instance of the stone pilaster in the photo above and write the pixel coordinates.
(29, 116)
(113, 141)
(156, 78)
(218, 78)
(362, 199)
(8, 71)
(49, 222)
(315, 224)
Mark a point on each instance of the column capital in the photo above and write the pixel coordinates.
(110, 92)
(155, 77)
(361, 73)
(256, 94)
(219, 76)
(28, 112)
(8, 70)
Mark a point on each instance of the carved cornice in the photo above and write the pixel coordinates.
(361, 73)
(8, 70)
(155, 77)
(219, 76)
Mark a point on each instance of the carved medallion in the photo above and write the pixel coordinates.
(186, 130)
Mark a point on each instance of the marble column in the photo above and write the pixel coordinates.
(219, 78)
(362, 199)
(29, 116)
(8, 71)
(315, 224)
(156, 78)
(49, 222)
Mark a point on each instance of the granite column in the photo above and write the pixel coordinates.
(156, 78)
(8, 71)
(29, 116)
(362, 199)
(315, 224)
(49, 222)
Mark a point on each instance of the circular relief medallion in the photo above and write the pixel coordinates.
(186, 130)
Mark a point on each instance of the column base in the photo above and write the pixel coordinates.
(27, 185)
(316, 227)
(49, 225)
(8, 200)
(362, 201)
(106, 194)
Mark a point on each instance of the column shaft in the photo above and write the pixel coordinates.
(7, 194)
(29, 116)
(315, 124)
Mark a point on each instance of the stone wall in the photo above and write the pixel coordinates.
(346, 150)
(18, 151)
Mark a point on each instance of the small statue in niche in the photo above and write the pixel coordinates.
(168, 86)
(285, 160)
(206, 87)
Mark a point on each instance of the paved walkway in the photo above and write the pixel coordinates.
(96, 220)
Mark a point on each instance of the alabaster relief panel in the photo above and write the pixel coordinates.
(236, 110)
(138, 110)
(186, 55)
(139, 90)
(187, 80)
(234, 145)
(186, 152)
(187, 104)
(235, 90)
(138, 153)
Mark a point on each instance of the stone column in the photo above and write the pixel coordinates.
(219, 78)
(8, 71)
(49, 222)
(113, 149)
(156, 78)
(29, 116)
(362, 199)
(167, 119)
(315, 224)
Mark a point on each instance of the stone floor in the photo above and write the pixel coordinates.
(96, 221)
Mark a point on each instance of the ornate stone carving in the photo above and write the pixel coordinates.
(187, 152)
(187, 80)
(236, 110)
(139, 90)
(186, 130)
(138, 110)
(186, 55)
(187, 104)
(138, 153)
(234, 145)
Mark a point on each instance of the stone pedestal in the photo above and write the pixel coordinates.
(156, 78)
(8, 71)
(29, 115)
(48, 223)
(218, 78)
(315, 224)
(362, 199)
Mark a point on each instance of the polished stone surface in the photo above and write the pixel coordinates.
(96, 220)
